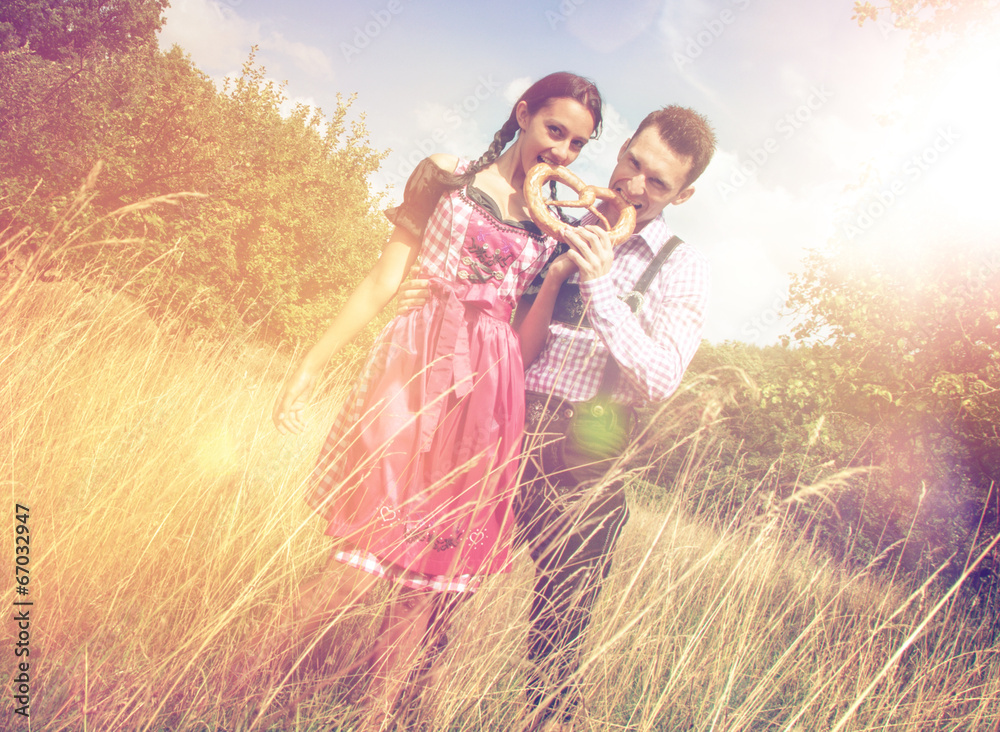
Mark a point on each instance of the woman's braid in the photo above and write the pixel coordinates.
(504, 135)
(553, 196)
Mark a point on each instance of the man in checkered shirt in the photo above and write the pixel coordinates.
(571, 522)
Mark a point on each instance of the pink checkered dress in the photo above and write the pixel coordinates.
(419, 469)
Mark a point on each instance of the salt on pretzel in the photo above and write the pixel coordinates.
(549, 223)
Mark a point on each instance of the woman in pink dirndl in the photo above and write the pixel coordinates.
(417, 475)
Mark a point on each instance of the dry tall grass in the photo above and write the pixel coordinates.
(167, 529)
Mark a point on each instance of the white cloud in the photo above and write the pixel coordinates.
(920, 180)
(308, 58)
(515, 88)
(219, 39)
(435, 128)
(215, 36)
(755, 236)
(931, 182)
(604, 26)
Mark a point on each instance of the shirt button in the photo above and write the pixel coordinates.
(597, 410)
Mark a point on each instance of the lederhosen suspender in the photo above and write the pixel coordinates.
(570, 310)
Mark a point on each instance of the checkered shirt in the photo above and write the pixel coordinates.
(652, 348)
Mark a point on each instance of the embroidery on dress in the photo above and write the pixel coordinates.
(424, 534)
(475, 537)
(444, 543)
(482, 262)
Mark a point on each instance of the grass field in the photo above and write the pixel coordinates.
(167, 528)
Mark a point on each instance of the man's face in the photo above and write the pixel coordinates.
(650, 175)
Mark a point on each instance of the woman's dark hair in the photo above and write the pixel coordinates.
(561, 84)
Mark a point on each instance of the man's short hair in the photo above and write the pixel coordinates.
(687, 133)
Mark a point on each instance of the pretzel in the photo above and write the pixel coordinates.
(538, 207)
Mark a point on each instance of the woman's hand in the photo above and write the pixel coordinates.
(364, 303)
(294, 397)
(413, 293)
(561, 268)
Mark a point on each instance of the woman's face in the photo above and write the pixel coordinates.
(555, 134)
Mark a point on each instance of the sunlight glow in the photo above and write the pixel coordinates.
(932, 183)
(218, 452)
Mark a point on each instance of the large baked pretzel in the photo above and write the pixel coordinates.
(548, 222)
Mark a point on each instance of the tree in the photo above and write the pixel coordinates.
(928, 17)
(61, 30)
(289, 221)
(772, 431)
(916, 357)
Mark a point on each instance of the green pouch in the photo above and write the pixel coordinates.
(581, 440)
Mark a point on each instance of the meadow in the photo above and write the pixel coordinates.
(168, 536)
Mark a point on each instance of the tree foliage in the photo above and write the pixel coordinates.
(289, 222)
(915, 356)
(894, 368)
(928, 18)
(61, 30)
(775, 431)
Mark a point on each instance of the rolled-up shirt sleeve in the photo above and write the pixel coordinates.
(654, 346)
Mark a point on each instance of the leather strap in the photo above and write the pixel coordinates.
(570, 310)
(610, 375)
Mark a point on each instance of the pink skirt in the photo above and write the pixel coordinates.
(420, 467)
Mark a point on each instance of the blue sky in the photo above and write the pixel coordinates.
(822, 130)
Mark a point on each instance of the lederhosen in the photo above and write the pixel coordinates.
(570, 512)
